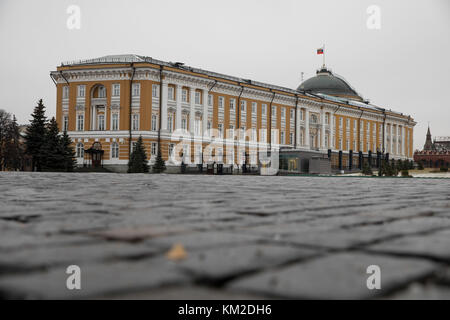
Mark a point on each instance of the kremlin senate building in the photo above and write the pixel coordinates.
(198, 117)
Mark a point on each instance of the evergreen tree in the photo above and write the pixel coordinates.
(420, 165)
(138, 161)
(12, 150)
(367, 170)
(35, 135)
(52, 155)
(160, 165)
(69, 152)
(5, 119)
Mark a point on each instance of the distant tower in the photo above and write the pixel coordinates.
(428, 143)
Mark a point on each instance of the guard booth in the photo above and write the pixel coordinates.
(95, 155)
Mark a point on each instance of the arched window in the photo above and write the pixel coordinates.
(115, 150)
(80, 150)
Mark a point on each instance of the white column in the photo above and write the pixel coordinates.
(178, 114)
(403, 141)
(94, 118)
(322, 129)
(298, 127)
(192, 112)
(163, 114)
(205, 111)
(307, 138)
(330, 138)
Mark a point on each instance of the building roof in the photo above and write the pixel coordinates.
(328, 83)
(325, 85)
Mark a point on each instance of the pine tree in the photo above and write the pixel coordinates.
(69, 152)
(52, 155)
(35, 135)
(367, 170)
(138, 161)
(5, 119)
(12, 150)
(160, 165)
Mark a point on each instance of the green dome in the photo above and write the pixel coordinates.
(327, 83)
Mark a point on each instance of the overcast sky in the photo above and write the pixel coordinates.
(403, 66)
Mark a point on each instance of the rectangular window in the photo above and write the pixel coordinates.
(291, 139)
(197, 97)
(210, 100)
(101, 122)
(115, 121)
(184, 95)
(80, 122)
(282, 138)
(81, 91)
(116, 90)
(66, 92)
(154, 149)
(221, 102)
(208, 125)
(136, 89)
(274, 112)
(220, 129)
(65, 123)
(114, 150)
(264, 109)
(102, 92)
(340, 122)
(171, 147)
(354, 125)
(170, 93)
(340, 144)
(283, 113)
(197, 126)
(253, 134)
(347, 123)
(232, 104)
(263, 135)
(170, 123)
(154, 121)
(292, 114)
(254, 106)
(184, 124)
(155, 91)
(135, 122)
(243, 106)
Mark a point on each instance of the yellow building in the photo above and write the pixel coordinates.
(199, 116)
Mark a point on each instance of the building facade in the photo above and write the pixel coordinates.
(435, 154)
(198, 116)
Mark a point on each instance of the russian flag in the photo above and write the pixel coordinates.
(320, 51)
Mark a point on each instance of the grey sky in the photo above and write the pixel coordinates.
(403, 66)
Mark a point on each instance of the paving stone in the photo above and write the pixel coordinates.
(190, 292)
(230, 260)
(337, 276)
(112, 278)
(48, 256)
(435, 245)
(119, 227)
(422, 292)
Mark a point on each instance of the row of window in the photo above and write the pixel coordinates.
(101, 91)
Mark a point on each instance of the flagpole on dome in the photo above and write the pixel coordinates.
(323, 56)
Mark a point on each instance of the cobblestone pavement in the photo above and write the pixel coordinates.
(244, 237)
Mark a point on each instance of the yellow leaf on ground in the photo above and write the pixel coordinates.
(177, 252)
